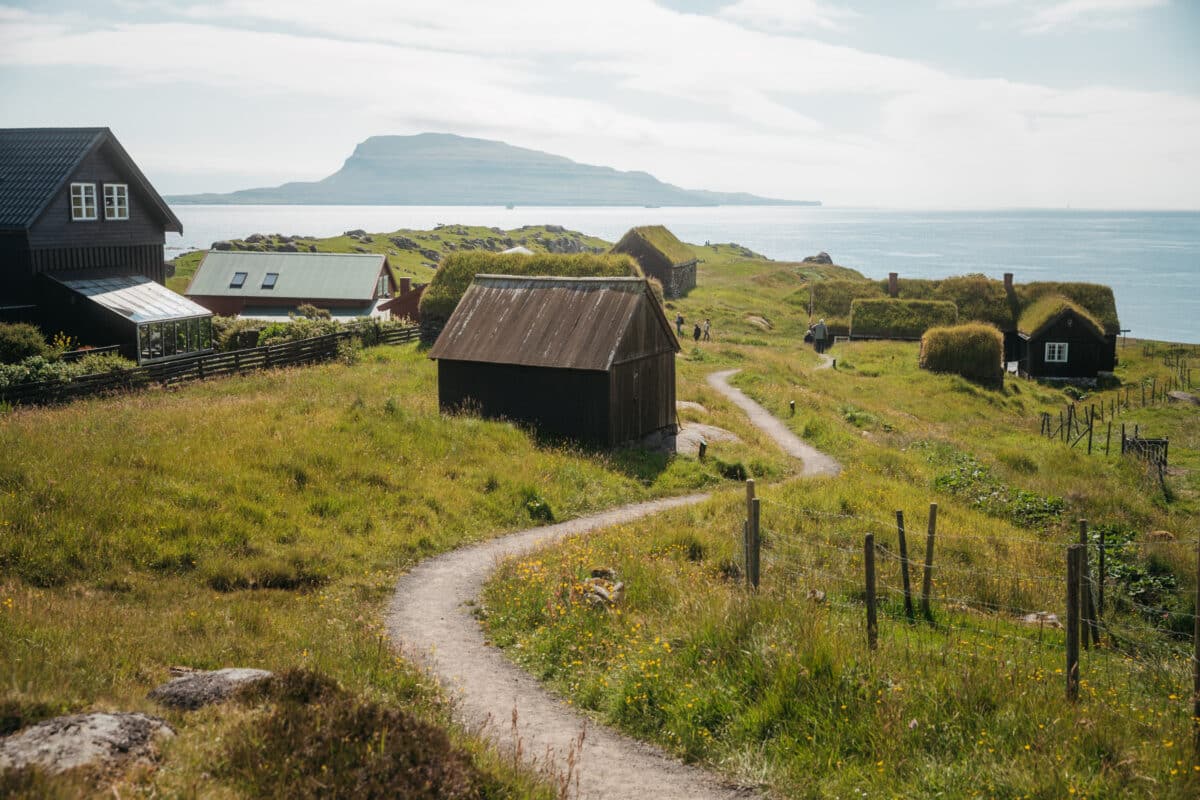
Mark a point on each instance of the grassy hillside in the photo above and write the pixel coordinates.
(778, 688)
(262, 521)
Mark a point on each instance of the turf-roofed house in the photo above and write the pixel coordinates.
(81, 246)
(1059, 339)
(273, 286)
(589, 359)
(662, 257)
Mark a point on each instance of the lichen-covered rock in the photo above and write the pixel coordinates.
(194, 690)
(84, 740)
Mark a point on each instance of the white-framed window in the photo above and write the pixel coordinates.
(383, 289)
(83, 202)
(116, 201)
(1056, 352)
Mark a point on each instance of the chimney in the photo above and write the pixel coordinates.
(405, 286)
(1008, 285)
(893, 284)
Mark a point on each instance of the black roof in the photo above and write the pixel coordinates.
(35, 162)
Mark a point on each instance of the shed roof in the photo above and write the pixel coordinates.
(302, 276)
(135, 297)
(658, 238)
(36, 162)
(565, 323)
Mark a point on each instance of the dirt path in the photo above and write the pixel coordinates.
(431, 619)
(815, 462)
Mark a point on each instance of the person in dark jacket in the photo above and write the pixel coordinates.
(679, 324)
(696, 332)
(820, 334)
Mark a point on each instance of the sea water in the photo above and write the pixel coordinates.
(1150, 258)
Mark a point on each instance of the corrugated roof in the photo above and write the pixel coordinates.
(566, 323)
(35, 162)
(135, 297)
(303, 276)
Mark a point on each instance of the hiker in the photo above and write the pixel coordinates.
(820, 332)
(696, 332)
(679, 324)
(707, 326)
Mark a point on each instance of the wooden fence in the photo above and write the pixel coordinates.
(208, 365)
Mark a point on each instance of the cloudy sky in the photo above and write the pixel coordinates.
(944, 103)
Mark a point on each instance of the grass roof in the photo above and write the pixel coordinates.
(1049, 306)
(1097, 299)
(665, 242)
(886, 318)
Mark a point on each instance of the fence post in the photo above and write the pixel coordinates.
(1103, 576)
(927, 579)
(908, 603)
(1108, 437)
(1073, 622)
(1091, 425)
(756, 540)
(869, 560)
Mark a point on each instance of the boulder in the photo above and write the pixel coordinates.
(222, 246)
(84, 740)
(555, 229)
(192, 690)
(1183, 397)
(688, 405)
(1042, 619)
(312, 248)
(356, 233)
(255, 238)
(286, 247)
(820, 258)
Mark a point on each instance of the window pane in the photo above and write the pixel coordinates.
(156, 343)
(144, 341)
(168, 337)
(181, 337)
(269, 280)
(239, 278)
(116, 201)
(206, 333)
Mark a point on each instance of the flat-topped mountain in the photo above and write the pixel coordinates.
(444, 169)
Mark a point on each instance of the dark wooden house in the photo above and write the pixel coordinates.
(662, 257)
(1060, 340)
(81, 245)
(591, 359)
(274, 285)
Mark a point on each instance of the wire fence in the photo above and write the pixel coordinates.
(1016, 600)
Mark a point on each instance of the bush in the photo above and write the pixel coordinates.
(457, 271)
(975, 351)
(295, 329)
(235, 333)
(886, 318)
(19, 341)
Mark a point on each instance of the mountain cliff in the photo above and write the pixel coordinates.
(444, 169)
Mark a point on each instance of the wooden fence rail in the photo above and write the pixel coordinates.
(208, 365)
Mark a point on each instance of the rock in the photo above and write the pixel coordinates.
(404, 243)
(605, 572)
(1042, 619)
(222, 246)
(820, 258)
(603, 592)
(312, 248)
(196, 689)
(256, 238)
(286, 247)
(358, 249)
(368, 239)
(1160, 536)
(83, 740)
(432, 255)
(555, 229)
(356, 233)
(688, 405)
(761, 323)
(687, 441)
(1183, 397)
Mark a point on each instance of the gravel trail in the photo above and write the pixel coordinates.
(430, 619)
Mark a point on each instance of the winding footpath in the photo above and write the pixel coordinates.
(430, 618)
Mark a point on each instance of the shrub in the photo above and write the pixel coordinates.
(295, 329)
(974, 351)
(886, 318)
(19, 341)
(457, 271)
(235, 333)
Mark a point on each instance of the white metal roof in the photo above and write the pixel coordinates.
(298, 276)
(135, 297)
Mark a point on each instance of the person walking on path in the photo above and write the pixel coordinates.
(820, 332)
(679, 323)
(696, 332)
(707, 326)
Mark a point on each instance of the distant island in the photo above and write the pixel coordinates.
(431, 169)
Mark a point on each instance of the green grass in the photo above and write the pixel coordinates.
(262, 521)
(779, 689)
(886, 318)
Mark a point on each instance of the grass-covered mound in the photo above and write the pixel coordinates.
(974, 351)
(977, 297)
(831, 300)
(1050, 304)
(885, 318)
(458, 270)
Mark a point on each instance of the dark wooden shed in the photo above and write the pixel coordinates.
(1060, 340)
(662, 257)
(590, 359)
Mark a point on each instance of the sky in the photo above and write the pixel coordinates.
(933, 104)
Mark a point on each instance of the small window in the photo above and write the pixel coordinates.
(83, 201)
(1056, 352)
(239, 280)
(269, 280)
(116, 201)
(382, 290)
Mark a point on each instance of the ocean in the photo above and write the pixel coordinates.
(1150, 258)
